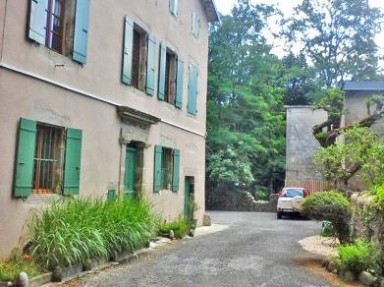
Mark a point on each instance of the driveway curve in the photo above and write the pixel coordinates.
(255, 250)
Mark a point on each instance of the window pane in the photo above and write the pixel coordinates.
(48, 159)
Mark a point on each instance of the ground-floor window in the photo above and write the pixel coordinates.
(47, 159)
(166, 168)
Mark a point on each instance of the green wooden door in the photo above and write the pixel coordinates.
(187, 195)
(130, 170)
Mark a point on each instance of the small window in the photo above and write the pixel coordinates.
(174, 7)
(195, 24)
(49, 158)
(139, 51)
(60, 25)
(171, 69)
(170, 77)
(167, 168)
(138, 58)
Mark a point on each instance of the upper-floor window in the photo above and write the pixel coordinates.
(171, 69)
(192, 89)
(174, 7)
(139, 53)
(61, 25)
(48, 159)
(195, 24)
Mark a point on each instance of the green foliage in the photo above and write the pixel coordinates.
(262, 194)
(74, 230)
(373, 166)
(245, 112)
(180, 227)
(337, 37)
(225, 166)
(338, 162)
(9, 270)
(331, 206)
(356, 257)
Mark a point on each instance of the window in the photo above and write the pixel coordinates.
(166, 169)
(195, 25)
(174, 7)
(139, 51)
(192, 89)
(47, 160)
(171, 69)
(61, 25)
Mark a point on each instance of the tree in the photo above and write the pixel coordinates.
(337, 37)
(245, 110)
(338, 162)
(300, 86)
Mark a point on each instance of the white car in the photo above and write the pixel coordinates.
(289, 201)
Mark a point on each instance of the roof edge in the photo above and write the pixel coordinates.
(211, 10)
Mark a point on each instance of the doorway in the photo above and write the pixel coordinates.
(189, 197)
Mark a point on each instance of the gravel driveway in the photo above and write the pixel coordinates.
(255, 250)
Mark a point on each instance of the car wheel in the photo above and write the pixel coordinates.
(279, 215)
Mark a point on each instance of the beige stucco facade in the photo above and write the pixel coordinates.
(44, 86)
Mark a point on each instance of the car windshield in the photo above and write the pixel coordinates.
(293, 192)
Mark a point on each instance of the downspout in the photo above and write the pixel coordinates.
(3, 32)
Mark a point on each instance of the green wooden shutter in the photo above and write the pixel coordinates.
(81, 31)
(151, 58)
(179, 83)
(126, 74)
(72, 162)
(192, 90)
(37, 20)
(162, 71)
(173, 6)
(176, 170)
(25, 158)
(157, 171)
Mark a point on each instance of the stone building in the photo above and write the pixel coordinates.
(101, 98)
(300, 145)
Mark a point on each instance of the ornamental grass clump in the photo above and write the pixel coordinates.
(74, 230)
(331, 206)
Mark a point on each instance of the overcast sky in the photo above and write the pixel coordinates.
(225, 6)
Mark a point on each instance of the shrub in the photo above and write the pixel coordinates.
(331, 206)
(355, 257)
(180, 227)
(72, 231)
(262, 194)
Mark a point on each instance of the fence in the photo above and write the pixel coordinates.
(310, 185)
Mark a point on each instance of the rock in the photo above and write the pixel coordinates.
(367, 278)
(191, 232)
(87, 265)
(331, 267)
(348, 276)
(171, 234)
(22, 280)
(57, 274)
(207, 220)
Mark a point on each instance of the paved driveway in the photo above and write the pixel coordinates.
(255, 250)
